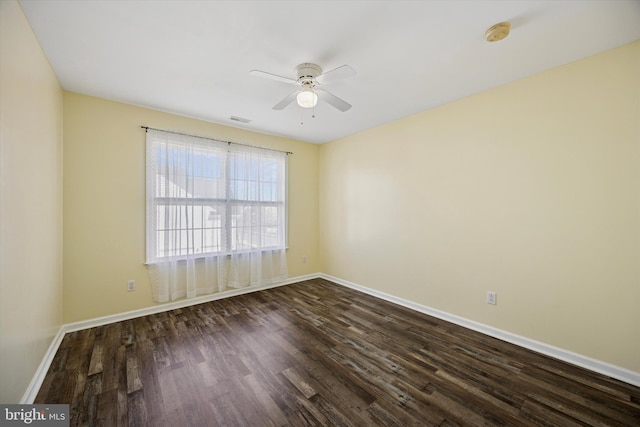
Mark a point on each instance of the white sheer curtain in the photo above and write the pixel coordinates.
(216, 215)
(258, 215)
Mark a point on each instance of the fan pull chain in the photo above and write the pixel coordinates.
(313, 112)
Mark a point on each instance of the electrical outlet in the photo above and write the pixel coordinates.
(304, 259)
(492, 297)
(131, 285)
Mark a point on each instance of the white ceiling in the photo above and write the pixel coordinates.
(193, 57)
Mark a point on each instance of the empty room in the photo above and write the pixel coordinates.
(351, 213)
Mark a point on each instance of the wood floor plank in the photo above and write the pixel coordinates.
(134, 375)
(253, 386)
(316, 353)
(137, 409)
(96, 363)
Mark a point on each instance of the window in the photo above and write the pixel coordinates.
(211, 198)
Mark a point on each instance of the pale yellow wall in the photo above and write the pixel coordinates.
(30, 203)
(531, 189)
(104, 201)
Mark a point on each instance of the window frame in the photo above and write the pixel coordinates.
(227, 228)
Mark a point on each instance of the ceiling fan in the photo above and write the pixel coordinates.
(309, 79)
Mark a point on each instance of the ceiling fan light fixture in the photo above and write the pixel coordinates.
(307, 99)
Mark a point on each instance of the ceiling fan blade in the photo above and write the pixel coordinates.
(332, 100)
(275, 77)
(342, 72)
(286, 101)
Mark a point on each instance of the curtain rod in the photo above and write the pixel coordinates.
(214, 139)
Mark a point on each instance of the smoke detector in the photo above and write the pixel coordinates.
(498, 32)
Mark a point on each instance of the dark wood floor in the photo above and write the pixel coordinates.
(316, 353)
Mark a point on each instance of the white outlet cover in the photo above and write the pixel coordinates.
(491, 297)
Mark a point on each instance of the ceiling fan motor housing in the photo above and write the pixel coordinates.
(308, 72)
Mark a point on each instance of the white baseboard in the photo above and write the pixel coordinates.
(604, 368)
(34, 386)
(99, 321)
(595, 365)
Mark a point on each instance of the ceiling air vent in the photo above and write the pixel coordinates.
(239, 119)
